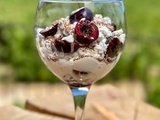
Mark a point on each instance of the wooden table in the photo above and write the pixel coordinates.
(104, 102)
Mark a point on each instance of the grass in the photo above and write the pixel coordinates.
(17, 11)
(143, 18)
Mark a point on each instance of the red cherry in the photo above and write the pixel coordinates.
(81, 13)
(50, 31)
(65, 46)
(86, 32)
(115, 46)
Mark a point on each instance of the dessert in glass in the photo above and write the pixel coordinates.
(80, 41)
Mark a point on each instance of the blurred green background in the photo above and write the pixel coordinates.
(19, 61)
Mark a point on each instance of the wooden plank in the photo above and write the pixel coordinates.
(147, 112)
(14, 113)
(104, 103)
(32, 107)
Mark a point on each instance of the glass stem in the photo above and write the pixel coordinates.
(79, 97)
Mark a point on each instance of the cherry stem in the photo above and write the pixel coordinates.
(79, 96)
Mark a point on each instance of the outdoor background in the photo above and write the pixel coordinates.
(19, 61)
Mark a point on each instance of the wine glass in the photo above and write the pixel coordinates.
(80, 41)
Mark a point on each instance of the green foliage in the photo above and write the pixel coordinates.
(19, 51)
(19, 104)
(143, 17)
(17, 44)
